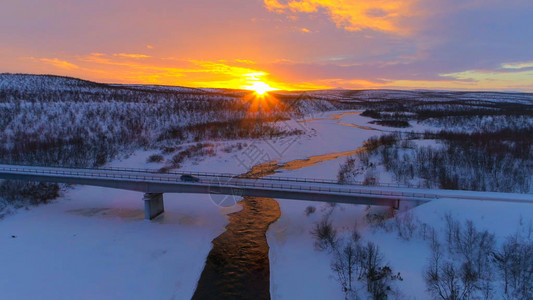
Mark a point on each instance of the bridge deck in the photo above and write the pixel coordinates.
(315, 190)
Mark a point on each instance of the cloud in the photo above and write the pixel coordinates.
(351, 15)
(518, 66)
(59, 63)
(274, 5)
(131, 55)
(496, 79)
(245, 61)
(235, 73)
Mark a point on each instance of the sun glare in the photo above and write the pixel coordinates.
(260, 87)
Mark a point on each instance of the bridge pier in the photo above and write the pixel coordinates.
(396, 205)
(153, 205)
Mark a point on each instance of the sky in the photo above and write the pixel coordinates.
(285, 44)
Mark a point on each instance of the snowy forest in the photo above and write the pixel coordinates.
(480, 146)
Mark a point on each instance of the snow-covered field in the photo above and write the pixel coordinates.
(93, 243)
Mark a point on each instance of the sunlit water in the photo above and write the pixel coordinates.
(237, 266)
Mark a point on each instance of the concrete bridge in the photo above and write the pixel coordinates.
(154, 184)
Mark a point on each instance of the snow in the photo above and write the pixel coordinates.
(93, 242)
(300, 271)
(297, 270)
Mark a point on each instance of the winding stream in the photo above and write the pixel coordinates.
(237, 266)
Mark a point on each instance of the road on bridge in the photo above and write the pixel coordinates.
(154, 182)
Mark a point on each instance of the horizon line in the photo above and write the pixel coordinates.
(274, 91)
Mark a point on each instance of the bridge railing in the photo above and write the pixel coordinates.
(94, 173)
(226, 175)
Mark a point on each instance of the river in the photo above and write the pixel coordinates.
(237, 266)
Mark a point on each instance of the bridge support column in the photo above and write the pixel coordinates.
(153, 205)
(396, 205)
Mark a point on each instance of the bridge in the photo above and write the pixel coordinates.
(154, 184)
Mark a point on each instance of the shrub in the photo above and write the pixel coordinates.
(371, 114)
(325, 235)
(392, 123)
(27, 192)
(310, 210)
(155, 158)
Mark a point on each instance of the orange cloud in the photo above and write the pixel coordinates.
(59, 63)
(245, 61)
(244, 74)
(274, 5)
(233, 74)
(351, 15)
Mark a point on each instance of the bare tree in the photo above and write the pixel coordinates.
(503, 260)
(515, 262)
(405, 223)
(452, 231)
(375, 273)
(345, 266)
(448, 282)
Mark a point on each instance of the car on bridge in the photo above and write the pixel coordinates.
(189, 178)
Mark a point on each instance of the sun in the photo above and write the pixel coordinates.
(259, 99)
(259, 87)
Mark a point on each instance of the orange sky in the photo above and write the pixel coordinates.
(286, 44)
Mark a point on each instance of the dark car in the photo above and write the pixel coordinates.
(189, 178)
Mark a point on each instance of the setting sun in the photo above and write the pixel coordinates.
(260, 87)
